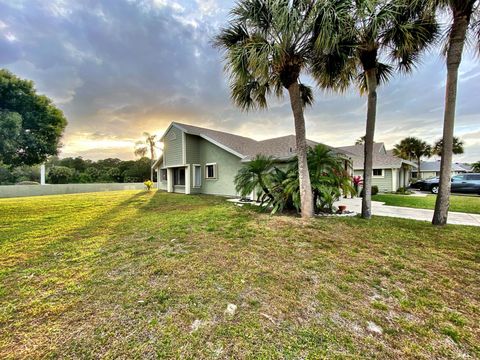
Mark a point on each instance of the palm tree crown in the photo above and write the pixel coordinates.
(457, 147)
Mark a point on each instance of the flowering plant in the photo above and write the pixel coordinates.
(357, 181)
(148, 184)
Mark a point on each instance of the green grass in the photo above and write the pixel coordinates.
(466, 204)
(126, 274)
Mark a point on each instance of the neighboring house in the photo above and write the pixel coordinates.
(432, 168)
(389, 172)
(203, 161)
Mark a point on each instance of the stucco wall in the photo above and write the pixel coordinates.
(172, 147)
(9, 191)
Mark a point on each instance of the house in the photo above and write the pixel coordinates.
(389, 172)
(197, 160)
(432, 168)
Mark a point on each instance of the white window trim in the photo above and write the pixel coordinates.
(215, 171)
(194, 167)
(379, 176)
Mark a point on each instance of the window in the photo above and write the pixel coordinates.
(210, 171)
(197, 176)
(473, 177)
(457, 178)
(377, 172)
(163, 174)
(179, 176)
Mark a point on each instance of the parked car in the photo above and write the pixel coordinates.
(424, 184)
(464, 183)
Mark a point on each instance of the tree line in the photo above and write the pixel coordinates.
(79, 170)
(268, 45)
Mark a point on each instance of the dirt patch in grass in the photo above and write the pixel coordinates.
(136, 274)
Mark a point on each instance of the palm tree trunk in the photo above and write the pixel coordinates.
(371, 75)
(419, 173)
(454, 57)
(265, 188)
(301, 143)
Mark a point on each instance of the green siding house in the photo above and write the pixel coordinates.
(203, 161)
(389, 172)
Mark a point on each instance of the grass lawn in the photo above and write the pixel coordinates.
(466, 204)
(149, 275)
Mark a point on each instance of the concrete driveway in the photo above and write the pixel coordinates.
(380, 209)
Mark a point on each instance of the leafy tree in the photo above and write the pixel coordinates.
(461, 14)
(413, 148)
(60, 175)
(358, 37)
(268, 45)
(31, 125)
(254, 174)
(145, 146)
(457, 147)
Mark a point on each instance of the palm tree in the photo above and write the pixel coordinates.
(457, 147)
(413, 148)
(254, 174)
(360, 141)
(366, 32)
(268, 45)
(461, 13)
(142, 147)
(476, 166)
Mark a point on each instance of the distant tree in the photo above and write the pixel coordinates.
(360, 141)
(31, 125)
(137, 171)
(476, 166)
(60, 175)
(147, 146)
(457, 147)
(413, 148)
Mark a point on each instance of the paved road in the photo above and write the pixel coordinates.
(380, 209)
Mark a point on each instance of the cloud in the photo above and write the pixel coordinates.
(118, 68)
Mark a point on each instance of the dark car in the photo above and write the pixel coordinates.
(464, 183)
(424, 184)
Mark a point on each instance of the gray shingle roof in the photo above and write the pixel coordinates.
(281, 147)
(381, 157)
(435, 166)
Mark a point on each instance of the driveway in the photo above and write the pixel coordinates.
(380, 209)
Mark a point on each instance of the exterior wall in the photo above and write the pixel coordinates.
(227, 167)
(192, 151)
(384, 184)
(11, 191)
(173, 147)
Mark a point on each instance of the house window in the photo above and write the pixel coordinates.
(377, 172)
(163, 174)
(210, 171)
(197, 176)
(179, 176)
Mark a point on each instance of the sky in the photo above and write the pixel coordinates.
(118, 68)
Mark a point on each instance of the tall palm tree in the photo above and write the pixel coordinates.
(366, 33)
(360, 141)
(461, 13)
(457, 147)
(268, 45)
(413, 148)
(476, 166)
(142, 147)
(254, 174)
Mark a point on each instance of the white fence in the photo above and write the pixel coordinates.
(9, 191)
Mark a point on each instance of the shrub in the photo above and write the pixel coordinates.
(28, 183)
(148, 184)
(374, 191)
(403, 191)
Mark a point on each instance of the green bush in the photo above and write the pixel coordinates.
(374, 191)
(60, 175)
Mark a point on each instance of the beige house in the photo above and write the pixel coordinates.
(389, 172)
